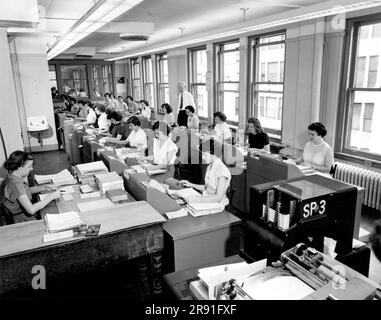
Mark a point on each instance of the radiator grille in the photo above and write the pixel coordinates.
(368, 179)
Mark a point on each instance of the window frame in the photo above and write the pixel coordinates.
(145, 83)
(346, 92)
(253, 108)
(191, 84)
(136, 61)
(159, 84)
(218, 74)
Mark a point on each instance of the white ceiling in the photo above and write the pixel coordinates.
(195, 16)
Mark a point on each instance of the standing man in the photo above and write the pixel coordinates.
(185, 99)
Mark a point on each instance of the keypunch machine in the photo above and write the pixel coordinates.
(303, 210)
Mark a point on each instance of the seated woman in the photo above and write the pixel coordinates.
(217, 176)
(164, 149)
(137, 137)
(257, 138)
(132, 106)
(16, 195)
(317, 153)
(103, 122)
(145, 110)
(82, 111)
(221, 129)
(193, 120)
(118, 131)
(168, 118)
(91, 117)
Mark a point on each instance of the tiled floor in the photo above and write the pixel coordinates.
(55, 161)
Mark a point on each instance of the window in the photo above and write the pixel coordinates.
(74, 80)
(135, 72)
(101, 80)
(162, 79)
(148, 80)
(198, 68)
(52, 76)
(227, 58)
(361, 103)
(267, 80)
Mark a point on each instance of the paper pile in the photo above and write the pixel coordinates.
(61, 178)
(62, 221)
(87, 171)
(202, 209)
(109, 181)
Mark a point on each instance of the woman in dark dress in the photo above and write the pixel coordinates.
(257, 138)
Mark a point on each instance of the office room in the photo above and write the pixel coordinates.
(167, 150)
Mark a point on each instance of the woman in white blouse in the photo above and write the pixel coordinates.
(164, 149)
(317, 153)
(91, 117)
(168, 118)
(103, 122)
(221, 129)
(145, 109)
(193, 120)
(137, 137)
(217, 176)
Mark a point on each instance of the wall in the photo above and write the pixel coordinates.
(121, 71)
(33, 71)
(9, 119)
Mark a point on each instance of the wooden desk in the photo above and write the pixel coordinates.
(191, 241)
(178, 282)
(129, 231)
(60, 205)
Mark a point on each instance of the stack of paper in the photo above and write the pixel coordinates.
(87, 171)
(62, 221)
(213, 279)
(177, 214)
(109, 181)
(202, 209)
(306, 169)
(60, 178)
(117, 195)
(183, 193)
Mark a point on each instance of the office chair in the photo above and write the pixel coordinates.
(332, 171)
(230, 194)
(6, 216)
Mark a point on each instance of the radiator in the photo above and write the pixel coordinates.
(368, 179)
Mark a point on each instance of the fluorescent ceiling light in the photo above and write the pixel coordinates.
(318, 13)
(100, 14)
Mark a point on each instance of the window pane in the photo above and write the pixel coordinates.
(74, 80)
(272, 71)
(367, 137)
(262, 106)
(199, 66)
(356, 115)
(360, 72)
(52, 76)
(230, 66)
(230, 86)
(270, 109)
(231, 46)
(273, 38)
(202, 100)
(230, 103)
(372, 74)
(263, 72)
(364, 31)
(376, 30)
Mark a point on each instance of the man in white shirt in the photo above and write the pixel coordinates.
(185, 99)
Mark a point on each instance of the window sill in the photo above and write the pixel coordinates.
(363, 162)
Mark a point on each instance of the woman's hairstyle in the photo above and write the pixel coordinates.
(145, 102)
(88, 103)
(16, 160)
(167, 107)
(319, 128)
(212, 146)
(120, 97)
(101, 107)
(115, 115)
(161, 126)
(134, 120)
(190, 108)
(81, 102)
(220, 115)
(107, 94)
(129, 97)
(256, 123)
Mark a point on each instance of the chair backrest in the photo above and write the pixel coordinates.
(6, 217)
(332, 171)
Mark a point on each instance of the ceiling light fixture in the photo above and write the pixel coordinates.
(100, 14)
(316, 12)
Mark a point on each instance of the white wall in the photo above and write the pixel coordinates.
(34, 76)
(9, 114)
